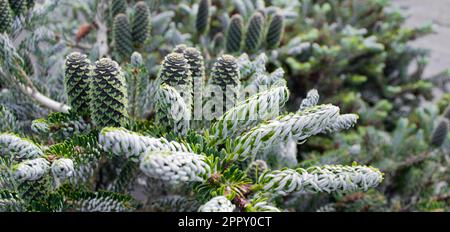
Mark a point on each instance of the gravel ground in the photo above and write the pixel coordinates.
(437, 12)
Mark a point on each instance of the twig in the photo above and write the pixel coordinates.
(31, 91)
(414, 160)
(46, 101)
(442, 197)
(73, 44)
(39, 97)
(43, 100)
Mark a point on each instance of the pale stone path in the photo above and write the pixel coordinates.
(437, 12)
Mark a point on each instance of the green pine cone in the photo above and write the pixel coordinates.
(234, 34)
(254, 32)
(5, 16)
(440, 133)
(196, 65)
(18, 6)
(141, 21)
(197, 70)
(275, 31)
(225, 74)
(77, 82)
(202, 21)
(118, 7)
(115, 7)
(175, 73)
(108, 94)
(122, 36)
(175, 70)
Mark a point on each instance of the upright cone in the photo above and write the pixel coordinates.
(118, 7)
(275, 31)
(122, 36)
(225, 75)
(141, 21)
(440, 133)
(202, 21)
(197, 70)
(234, 34)
(108, 95)
(254, 32)
(77, 82)
(18, 6)
(5, 16)
(175, 72)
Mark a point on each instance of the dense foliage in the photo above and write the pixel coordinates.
(213, 105)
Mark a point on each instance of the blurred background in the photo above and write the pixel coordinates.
(435, 11)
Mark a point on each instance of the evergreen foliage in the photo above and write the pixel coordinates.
(218, 106)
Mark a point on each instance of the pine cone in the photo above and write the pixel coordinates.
(440, 133)
(202, 21)
(234, 34)
(122, 36)
(77, 82)
(5, 16)
(141, 22)
(196, 66)
(225, 74)
(197, 70)
(18, 6)
(118, 7)
(275, 31)
(108, 94)
(175, 73)
(175, 70)
(254, 32)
